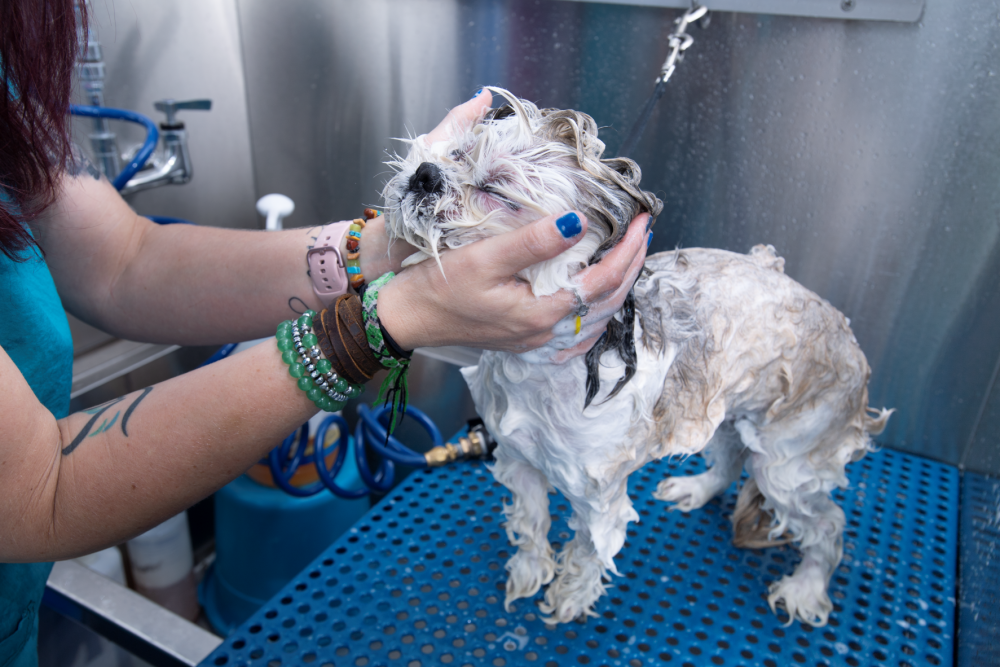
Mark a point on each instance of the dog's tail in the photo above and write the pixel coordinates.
(751, 522)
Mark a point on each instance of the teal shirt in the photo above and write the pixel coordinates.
(35, 335)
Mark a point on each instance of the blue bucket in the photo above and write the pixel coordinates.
(264, 537)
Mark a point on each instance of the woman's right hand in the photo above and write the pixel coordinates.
(478, 301)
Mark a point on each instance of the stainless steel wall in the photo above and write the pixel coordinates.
(867, 153)
(184, 49)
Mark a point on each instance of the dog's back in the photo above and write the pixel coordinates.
(755, 343)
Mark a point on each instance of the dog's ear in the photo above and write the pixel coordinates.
(628, 178)
(574, 129)
(627, 168)
(501, 112)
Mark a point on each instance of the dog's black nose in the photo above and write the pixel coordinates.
(427, 180)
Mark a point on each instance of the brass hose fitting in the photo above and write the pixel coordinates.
(477, 443)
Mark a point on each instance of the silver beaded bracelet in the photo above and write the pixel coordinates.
(323, 381)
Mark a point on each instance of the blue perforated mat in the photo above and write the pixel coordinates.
(419, 581)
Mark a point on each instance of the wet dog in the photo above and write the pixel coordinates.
(732, 358)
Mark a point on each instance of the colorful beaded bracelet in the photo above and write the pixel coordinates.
(314, 373)
(353, 264)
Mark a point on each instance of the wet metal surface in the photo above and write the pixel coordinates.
(866, 152)
(979, 582)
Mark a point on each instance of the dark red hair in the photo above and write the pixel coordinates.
(38, 49)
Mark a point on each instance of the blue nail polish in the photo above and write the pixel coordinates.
(569, 225)
(476, 94)
(649, 239)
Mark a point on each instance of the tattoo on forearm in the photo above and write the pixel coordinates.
(90, 430)
(297, 305)
(313, 234)
(131, 408)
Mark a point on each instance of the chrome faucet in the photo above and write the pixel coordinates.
(175, 160)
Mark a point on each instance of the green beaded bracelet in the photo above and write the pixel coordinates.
(313, 373)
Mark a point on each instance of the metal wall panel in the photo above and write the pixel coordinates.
(184, 49)
(867, 153)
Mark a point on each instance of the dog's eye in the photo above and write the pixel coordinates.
(490, 190)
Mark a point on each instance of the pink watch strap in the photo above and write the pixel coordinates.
(326, 266)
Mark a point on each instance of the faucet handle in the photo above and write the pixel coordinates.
(172, 106)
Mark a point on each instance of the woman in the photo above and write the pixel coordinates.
(73, 484)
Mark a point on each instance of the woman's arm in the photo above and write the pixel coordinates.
(202, 285)
(185, 284)
(98, 477)
(181, 284)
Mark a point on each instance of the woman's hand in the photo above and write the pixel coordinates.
(482, 304)
(604, 287)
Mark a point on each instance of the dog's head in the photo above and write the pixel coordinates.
(519, 164)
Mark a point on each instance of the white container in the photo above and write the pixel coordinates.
(162, 566)
(107, 562)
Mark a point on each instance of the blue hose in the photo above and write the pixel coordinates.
(281, 475)
(372, 426)
(167, 220)
(152, 136)
(221, 353)
(328, 475)
(370, 431)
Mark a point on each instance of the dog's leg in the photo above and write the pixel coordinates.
(579, 583)
(599, 521)
(799, 496)
(527, 526)
(726, 454)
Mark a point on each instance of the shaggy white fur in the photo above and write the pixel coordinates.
(734, 359)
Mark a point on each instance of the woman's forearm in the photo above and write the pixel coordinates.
(180, 284)
(101, 476)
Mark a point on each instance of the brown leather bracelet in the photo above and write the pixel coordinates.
(325, 328)
(352, 333)
(343, 341)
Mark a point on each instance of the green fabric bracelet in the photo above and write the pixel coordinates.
(394, 387)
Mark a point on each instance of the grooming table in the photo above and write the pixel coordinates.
(419, 581)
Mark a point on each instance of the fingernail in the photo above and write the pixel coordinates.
(649, 239)
(476, 94)
(569, 225)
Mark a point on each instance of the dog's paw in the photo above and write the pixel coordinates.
(803, 596)
(570, 596)
(579, 584)
(690, 493)
(527, 572)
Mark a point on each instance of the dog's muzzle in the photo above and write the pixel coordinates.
(426, 180)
